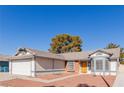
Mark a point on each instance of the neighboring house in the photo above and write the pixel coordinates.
(4, 63)
(31, 62)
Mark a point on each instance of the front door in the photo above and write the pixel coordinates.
(84, 67)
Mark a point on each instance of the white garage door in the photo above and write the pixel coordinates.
(21, 68)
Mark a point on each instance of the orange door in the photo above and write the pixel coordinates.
(84, 67)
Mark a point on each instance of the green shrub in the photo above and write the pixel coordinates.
(122, 62)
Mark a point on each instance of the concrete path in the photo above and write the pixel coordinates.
(6, 76)
(119, 82)
(46, 81)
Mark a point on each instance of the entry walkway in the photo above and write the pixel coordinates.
(6, 76)
(47, 81)
(119, 82)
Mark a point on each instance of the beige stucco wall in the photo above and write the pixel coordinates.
(58, 64)
(43, 64)
(21, 60)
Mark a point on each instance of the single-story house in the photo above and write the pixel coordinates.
(32, 62)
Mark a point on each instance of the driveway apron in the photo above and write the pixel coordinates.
(119, 82)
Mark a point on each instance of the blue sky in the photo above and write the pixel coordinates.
(34, 26)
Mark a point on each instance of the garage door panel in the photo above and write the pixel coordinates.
(21, 68)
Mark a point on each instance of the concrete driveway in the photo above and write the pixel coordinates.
(119, 82)
(79, 80)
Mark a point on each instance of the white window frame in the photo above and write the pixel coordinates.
(70, 65)
(101, 69)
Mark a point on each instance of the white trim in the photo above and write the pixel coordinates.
(33, 74)
(10, 67)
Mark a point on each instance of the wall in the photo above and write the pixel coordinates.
(99, 54)
(58, 64)
(77, 66)
(43, 64)
(21, 60)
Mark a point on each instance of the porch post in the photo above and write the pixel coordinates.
(33, 68)
(104, 62)
(117, 65)
(10, 67)
(94, 62)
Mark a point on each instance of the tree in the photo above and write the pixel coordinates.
(112, 45)
(63, 43)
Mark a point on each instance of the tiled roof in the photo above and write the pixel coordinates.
(84, 55)
(38, 53)
(45, 54)
(76, 55)
(114, 51)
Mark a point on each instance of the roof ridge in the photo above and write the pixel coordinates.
(33, 49)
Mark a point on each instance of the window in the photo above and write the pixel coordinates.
(107, 65)
(99, 65)
(89, 65)
(70, 66)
